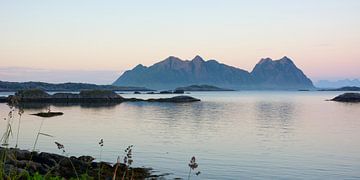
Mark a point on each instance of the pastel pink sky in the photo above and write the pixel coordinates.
(321, 37)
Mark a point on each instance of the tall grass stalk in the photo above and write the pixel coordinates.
(127, 159)
(38, 134)
(21, 111)
(101, 144)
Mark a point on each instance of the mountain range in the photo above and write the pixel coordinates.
(174, 72)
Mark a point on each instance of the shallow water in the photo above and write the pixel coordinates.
(234, 135)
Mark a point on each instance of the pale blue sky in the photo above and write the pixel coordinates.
(322, 36)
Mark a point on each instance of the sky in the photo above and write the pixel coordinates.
(95, 41)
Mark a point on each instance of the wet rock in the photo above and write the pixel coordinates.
(48, 114)
(176, 99)
(348, 97)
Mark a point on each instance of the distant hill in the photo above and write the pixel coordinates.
(201, 88)
(338, 83)
(16, 86)
(346, 88)
(174, 72)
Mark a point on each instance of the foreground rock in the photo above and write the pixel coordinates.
(348, 97)
(88, 96)
(26, 162)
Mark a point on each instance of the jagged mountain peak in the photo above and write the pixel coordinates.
(173, 72)
(171, 59)
(139, 66)
(265, 60)
(285, 59)
(282, 72)
(198, 58)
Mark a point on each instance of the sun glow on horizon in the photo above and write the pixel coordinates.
(321, 37)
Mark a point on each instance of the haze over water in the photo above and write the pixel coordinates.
(234, 135)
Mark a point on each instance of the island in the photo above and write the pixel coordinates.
(345, 88)
(202, 88)
(348, 97)
(6, 86)
(85, 96)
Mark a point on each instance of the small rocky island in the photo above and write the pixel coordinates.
(345, 88)
(201, 88)
(348, 97)
(85, 96)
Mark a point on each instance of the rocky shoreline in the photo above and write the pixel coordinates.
(25, 163)
(87, 96)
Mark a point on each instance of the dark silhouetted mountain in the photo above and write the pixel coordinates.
(174, 72)
(282, 73)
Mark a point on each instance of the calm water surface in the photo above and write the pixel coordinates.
(234, 135)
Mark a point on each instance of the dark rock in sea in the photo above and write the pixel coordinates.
(98, 94)
(31, 94)
(346, 88)
(48, 114)
(137, 92)
(179, 91)
(166, 92)
(176, 99)
(348, 97)
(3, 99)
(85, 97)
(202, 88)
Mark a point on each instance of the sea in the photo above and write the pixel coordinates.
(232, 135)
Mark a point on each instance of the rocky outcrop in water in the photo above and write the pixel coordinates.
(348, 97)
(202, 88)
(88, 96)
(346, 88)
(176, 99)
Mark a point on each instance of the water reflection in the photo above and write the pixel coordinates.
(41, 106)
(237, 135)
(274, 118)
